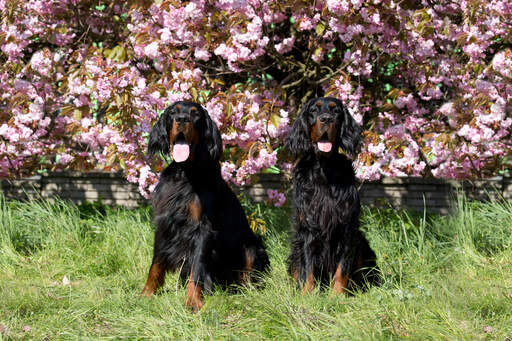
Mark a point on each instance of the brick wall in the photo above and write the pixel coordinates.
(435, 195)
(411, 193)
(112, 188)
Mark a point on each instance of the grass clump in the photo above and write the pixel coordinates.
(69, 272)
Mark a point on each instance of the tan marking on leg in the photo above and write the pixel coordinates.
(340, 281)
(245, 275)
(155, 280)
(310, 283)
(194, 294)
(295, 275)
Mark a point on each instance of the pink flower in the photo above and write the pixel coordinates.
(474, 50)
(64, 159)
(338, 7)
(202, 54)
(41, 62)
(276, 198)
(151, 50)
(285, 46)
(104, 88)
(502, 63)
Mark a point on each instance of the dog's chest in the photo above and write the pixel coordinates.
(179, 196)
(325, 203)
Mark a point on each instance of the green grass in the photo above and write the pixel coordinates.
(445, 278)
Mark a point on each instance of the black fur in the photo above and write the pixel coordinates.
(327, 234)
(215, 245)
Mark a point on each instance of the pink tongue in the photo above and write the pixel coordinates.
(180, 152)
(325, 146)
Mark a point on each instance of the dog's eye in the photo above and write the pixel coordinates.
(195, 113)
(196, 116)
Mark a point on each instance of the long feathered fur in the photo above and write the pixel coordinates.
(201, 228)
(326, 235)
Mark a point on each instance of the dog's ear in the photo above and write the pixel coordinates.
(159, 135)
(298, 141)
(349, 135)
(212, 138)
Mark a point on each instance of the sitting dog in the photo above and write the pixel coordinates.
(327, 243)
(201, 228)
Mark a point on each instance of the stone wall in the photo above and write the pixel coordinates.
(434, 195)
(111, 188)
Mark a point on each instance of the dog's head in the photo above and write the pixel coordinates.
(186, 131)
(322, 126)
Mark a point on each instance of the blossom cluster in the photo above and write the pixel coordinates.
(276, 198)
(83, 82)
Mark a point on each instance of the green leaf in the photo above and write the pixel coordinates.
(77, 114)
(275, 119)
(193, 93)
(229, 110)
(320, 28)
(272, 170)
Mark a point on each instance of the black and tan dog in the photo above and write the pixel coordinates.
(201, 228)
(327, 244)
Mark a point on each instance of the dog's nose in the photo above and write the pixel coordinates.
(326, 119)
(182, 119)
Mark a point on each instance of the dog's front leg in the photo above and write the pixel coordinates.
(307, 273)
(155, 279)
(200, 277)
(344, 269)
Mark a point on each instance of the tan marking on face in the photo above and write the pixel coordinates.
(332, 105)
(316, 131)
(190, 132)
(319, 104)
(174, 132)
(178, 107)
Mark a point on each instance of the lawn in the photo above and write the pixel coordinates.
(75, 273)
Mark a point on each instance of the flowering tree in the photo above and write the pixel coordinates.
(83, 81)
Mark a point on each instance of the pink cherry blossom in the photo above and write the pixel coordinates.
(431, 84)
